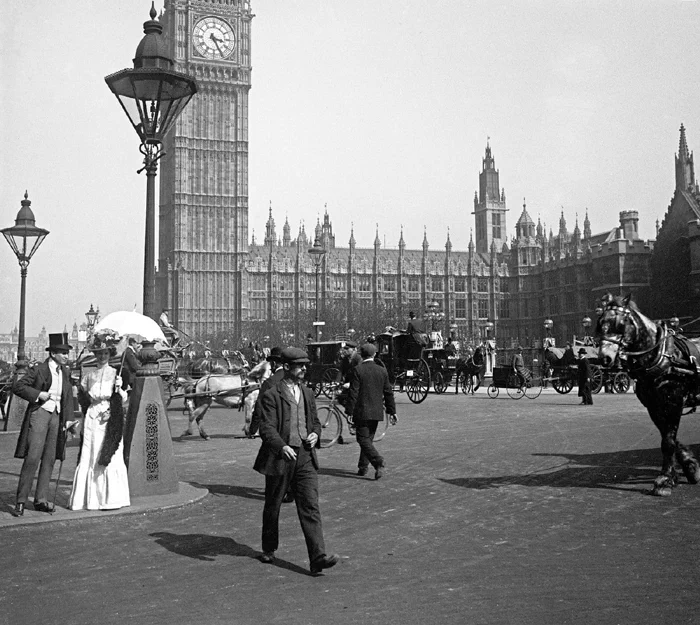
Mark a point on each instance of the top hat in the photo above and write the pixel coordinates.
(294, 356)
(275, 354)
(582, 351)
(59, 342)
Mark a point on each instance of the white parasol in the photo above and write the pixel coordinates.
(131, 323)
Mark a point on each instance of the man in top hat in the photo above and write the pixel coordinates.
(290, 432)
(47, 389)
(370, 394)
(275, 360)
(584, 379)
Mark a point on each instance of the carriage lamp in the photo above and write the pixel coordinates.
(674, 322)
(24, 238)
(434, 314)
(152, 95)
(317, 253)
(91, 315)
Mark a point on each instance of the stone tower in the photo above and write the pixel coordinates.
(203, 227)
(489, 208)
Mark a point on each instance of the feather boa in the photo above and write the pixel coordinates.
(115, 428)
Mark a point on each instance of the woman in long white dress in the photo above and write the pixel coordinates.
(97, 487)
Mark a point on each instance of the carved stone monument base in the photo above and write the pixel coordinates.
(148, 447)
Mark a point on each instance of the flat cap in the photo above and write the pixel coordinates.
(294, 355)
(367, 350)
(582, 351)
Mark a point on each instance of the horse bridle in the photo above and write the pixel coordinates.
(628, 315)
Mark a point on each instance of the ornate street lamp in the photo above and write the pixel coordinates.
(586, 322)
(24, 239)
(317, 253)
(548, 325)
(434, 314)
(92, 316)
(152, 95)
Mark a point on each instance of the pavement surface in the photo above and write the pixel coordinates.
(491, 511)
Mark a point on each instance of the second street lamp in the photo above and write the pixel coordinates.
(317, 253)
(152, 95)
(92, 316)
(24, 239)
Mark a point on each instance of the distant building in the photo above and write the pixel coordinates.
(675, 266)
(492, 289)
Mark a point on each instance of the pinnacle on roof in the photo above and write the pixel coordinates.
(683, 144)
(525, 217)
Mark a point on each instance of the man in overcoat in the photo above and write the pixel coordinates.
(290, 432)
(47, 389)
(370, 394)
(584, 379)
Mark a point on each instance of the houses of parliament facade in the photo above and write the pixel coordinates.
(216, 279)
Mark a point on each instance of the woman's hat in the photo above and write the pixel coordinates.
(106, 339)
(59, 342)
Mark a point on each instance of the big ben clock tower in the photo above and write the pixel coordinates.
(204, 175)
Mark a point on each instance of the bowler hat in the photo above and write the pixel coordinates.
(275, 354)
(294, 356)
(59, 342)
(582, 351)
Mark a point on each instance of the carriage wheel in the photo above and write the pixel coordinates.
(492, 391)
(621, 382)
(467, 382)
(439, 384)
(382, 428)
(331, 425)
(514, 388)
(329, 382)
(596, 379)
(562, 384)
(417, 386)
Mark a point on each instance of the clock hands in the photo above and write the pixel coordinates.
(216, 43)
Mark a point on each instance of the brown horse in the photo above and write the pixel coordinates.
(665, 365)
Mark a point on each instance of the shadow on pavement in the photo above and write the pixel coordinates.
(206, 548)
(340, 473)
(229, 490)
(619, 470)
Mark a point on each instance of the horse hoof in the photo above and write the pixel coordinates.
(661, 491)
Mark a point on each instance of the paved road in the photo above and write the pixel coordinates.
(492, 511)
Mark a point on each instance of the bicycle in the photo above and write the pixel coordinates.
(331, 418)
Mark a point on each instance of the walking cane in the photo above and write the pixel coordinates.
(60, 468)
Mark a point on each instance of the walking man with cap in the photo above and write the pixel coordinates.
(290, 432)
(370, 394)
(47, 388)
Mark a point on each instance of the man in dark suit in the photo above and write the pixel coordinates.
(130, 365)
(47, 388)
(290, 432)
(370, 394)
(584, 379)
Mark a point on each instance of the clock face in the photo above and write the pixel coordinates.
(214, 38)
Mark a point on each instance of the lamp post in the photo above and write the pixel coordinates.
(24, 239)
(92, 316)
(548, 325)
(152, 95)
(434, 314)
(317, 253)
(586, 323)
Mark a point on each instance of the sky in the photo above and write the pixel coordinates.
(379, 111)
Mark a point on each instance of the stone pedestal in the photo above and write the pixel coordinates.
(148, 447)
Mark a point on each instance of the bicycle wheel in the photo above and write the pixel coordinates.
(439, 383)
(331, 425)
(533, 388)
(492, 391)
(382, 427)
(514, 388)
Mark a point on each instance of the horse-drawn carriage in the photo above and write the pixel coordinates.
(442, 367)
(323, 370)
(405, 362)
(563, 371)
